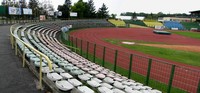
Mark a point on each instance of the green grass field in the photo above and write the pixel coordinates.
(190, 58)
(195, 35)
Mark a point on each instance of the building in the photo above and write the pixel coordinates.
(196, 14)
(124, 17)
(177, 19)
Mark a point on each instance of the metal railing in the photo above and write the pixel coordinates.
(14, 40)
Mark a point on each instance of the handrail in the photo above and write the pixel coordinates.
(12, 37)
(72, 47)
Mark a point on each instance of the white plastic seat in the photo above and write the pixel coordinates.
(104, 90)
(86, 69)
(118, 85)
(118, 79)
(77, 72)
(54, 76)
(128, 90)
(75, 82)
(69, 67)
(80, 65)
(83, 77)
(97, 80)
(66, 75)
(62, 64)
(54, 65)
(46, 70)
(99, 69)
(88, 75)
(106, 85)
(93, 72)
(101, 76)
(115, 90)
(34, 59)
(93, 83)
(145, 91)
(37, 64)
(111, 75)
(128, 83)
(85, 89)
(59, 70)
(108, 80)
(136, 91)
(136, 87)
(64, 85)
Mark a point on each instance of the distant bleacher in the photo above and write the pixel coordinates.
(173, 25)
(135, 22)
(117, 23)
(152, 23)
(78, 24)
(191, 25)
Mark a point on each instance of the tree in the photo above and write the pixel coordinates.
(113, 16)
(90, 9)
(33, 4)
(103, 12)
(23, 3)
(65, 9)
(80, 8)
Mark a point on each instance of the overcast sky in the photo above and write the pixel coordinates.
(147, 6)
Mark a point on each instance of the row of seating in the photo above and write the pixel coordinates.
(191, 25)
(117, 22)
(78, 24)
(72, 72)
(153, 24)
(135, 22)
(173, 24)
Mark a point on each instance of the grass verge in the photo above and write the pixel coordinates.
(195, 35)
(190, 58)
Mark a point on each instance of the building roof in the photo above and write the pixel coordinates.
(197, 11)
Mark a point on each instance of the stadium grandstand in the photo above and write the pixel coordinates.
(70, 72)
(135, 22)
(191, 25)
(42, 53)
(173, 25)
(195, 14)
(152, 23)
(117, 22)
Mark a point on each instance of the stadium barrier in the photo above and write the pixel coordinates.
(171, 78)
(14, 40)
(12, 21)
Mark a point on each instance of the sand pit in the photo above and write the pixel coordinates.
(128, 43)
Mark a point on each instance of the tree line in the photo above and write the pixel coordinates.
(38, 8)
(154, 15)
(83, 9)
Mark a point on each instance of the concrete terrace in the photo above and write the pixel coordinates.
(14, 78)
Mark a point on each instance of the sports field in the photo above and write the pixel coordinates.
(164, 48)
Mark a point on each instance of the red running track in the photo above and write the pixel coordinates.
(186, 77)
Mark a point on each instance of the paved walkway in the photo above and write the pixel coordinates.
(13, 78)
